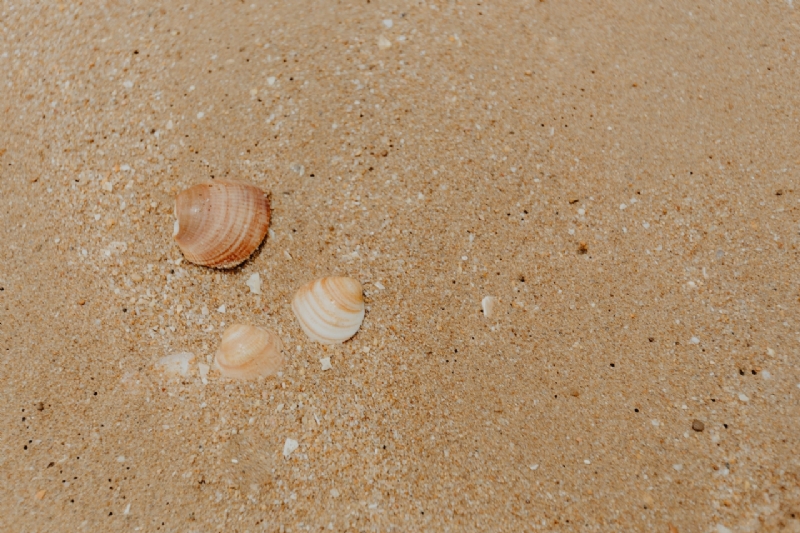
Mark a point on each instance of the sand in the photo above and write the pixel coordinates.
(622, 177)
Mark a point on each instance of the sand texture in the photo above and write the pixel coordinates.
(620, 178)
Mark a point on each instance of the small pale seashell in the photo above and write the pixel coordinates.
(220, 223)
(254, 283)
(248, 352)
(330, 310)
(489, 305)
(176, 364)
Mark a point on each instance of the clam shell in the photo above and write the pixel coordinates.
(330, 310)
(220, 223)
(248, 352)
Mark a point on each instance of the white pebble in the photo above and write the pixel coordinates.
(743, 397)
(723, 529)
(121, 459)
(770, 352)
(694, 340)
(677, 468)
(623, 206)
(587, 462)
(534, 467)
(289, 446)
(334, 493)
(379, 285)
(200, 115)
(766, 375)
(326, 363)
(271, 81)
(254, 282)
(221, 308)
(128, 84)
(387, 23)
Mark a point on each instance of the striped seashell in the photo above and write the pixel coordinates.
(330, 310)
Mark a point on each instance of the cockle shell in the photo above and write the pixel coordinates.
(248, 352)
(330, 310)
(220, 223)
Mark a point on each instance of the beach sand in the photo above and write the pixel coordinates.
(622, 176)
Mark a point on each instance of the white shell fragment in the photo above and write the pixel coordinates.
(326, 363)
(489, 305)
(289, 446)
(384, 43)
(330, 310)
(203, 370)
(248, 352)
(254, 282)
(176, 364)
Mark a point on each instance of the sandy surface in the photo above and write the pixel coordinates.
(622, 176)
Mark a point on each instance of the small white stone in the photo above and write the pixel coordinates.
(254, 282)
(200, 115)
(384, 43)
(387, 23)
(677, 468)
(170, 125)
(587, 462)
(743, 397)
(221, 308)
(326, 363)
(334, 493)
(623, 206)
(203, 369)
(534, 467)
(646, 225)
(121, 459)
(175, 364)
(489, 305)
(723, 529)
(379, 285)
(128, 84)
(656, 423)
(204, 311)
(770, 352)
(581, 212)
(766, 375)
(271, 81)
(127, 509)
(694, 340)
(289, 446)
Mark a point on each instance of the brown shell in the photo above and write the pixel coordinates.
(220, 223)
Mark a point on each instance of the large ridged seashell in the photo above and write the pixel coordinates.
(248, 352)
(220, 223)
(330, 310)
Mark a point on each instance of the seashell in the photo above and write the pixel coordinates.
(248, 352)
(220, 223)
(330, 310)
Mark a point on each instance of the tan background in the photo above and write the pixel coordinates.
(480, 154)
